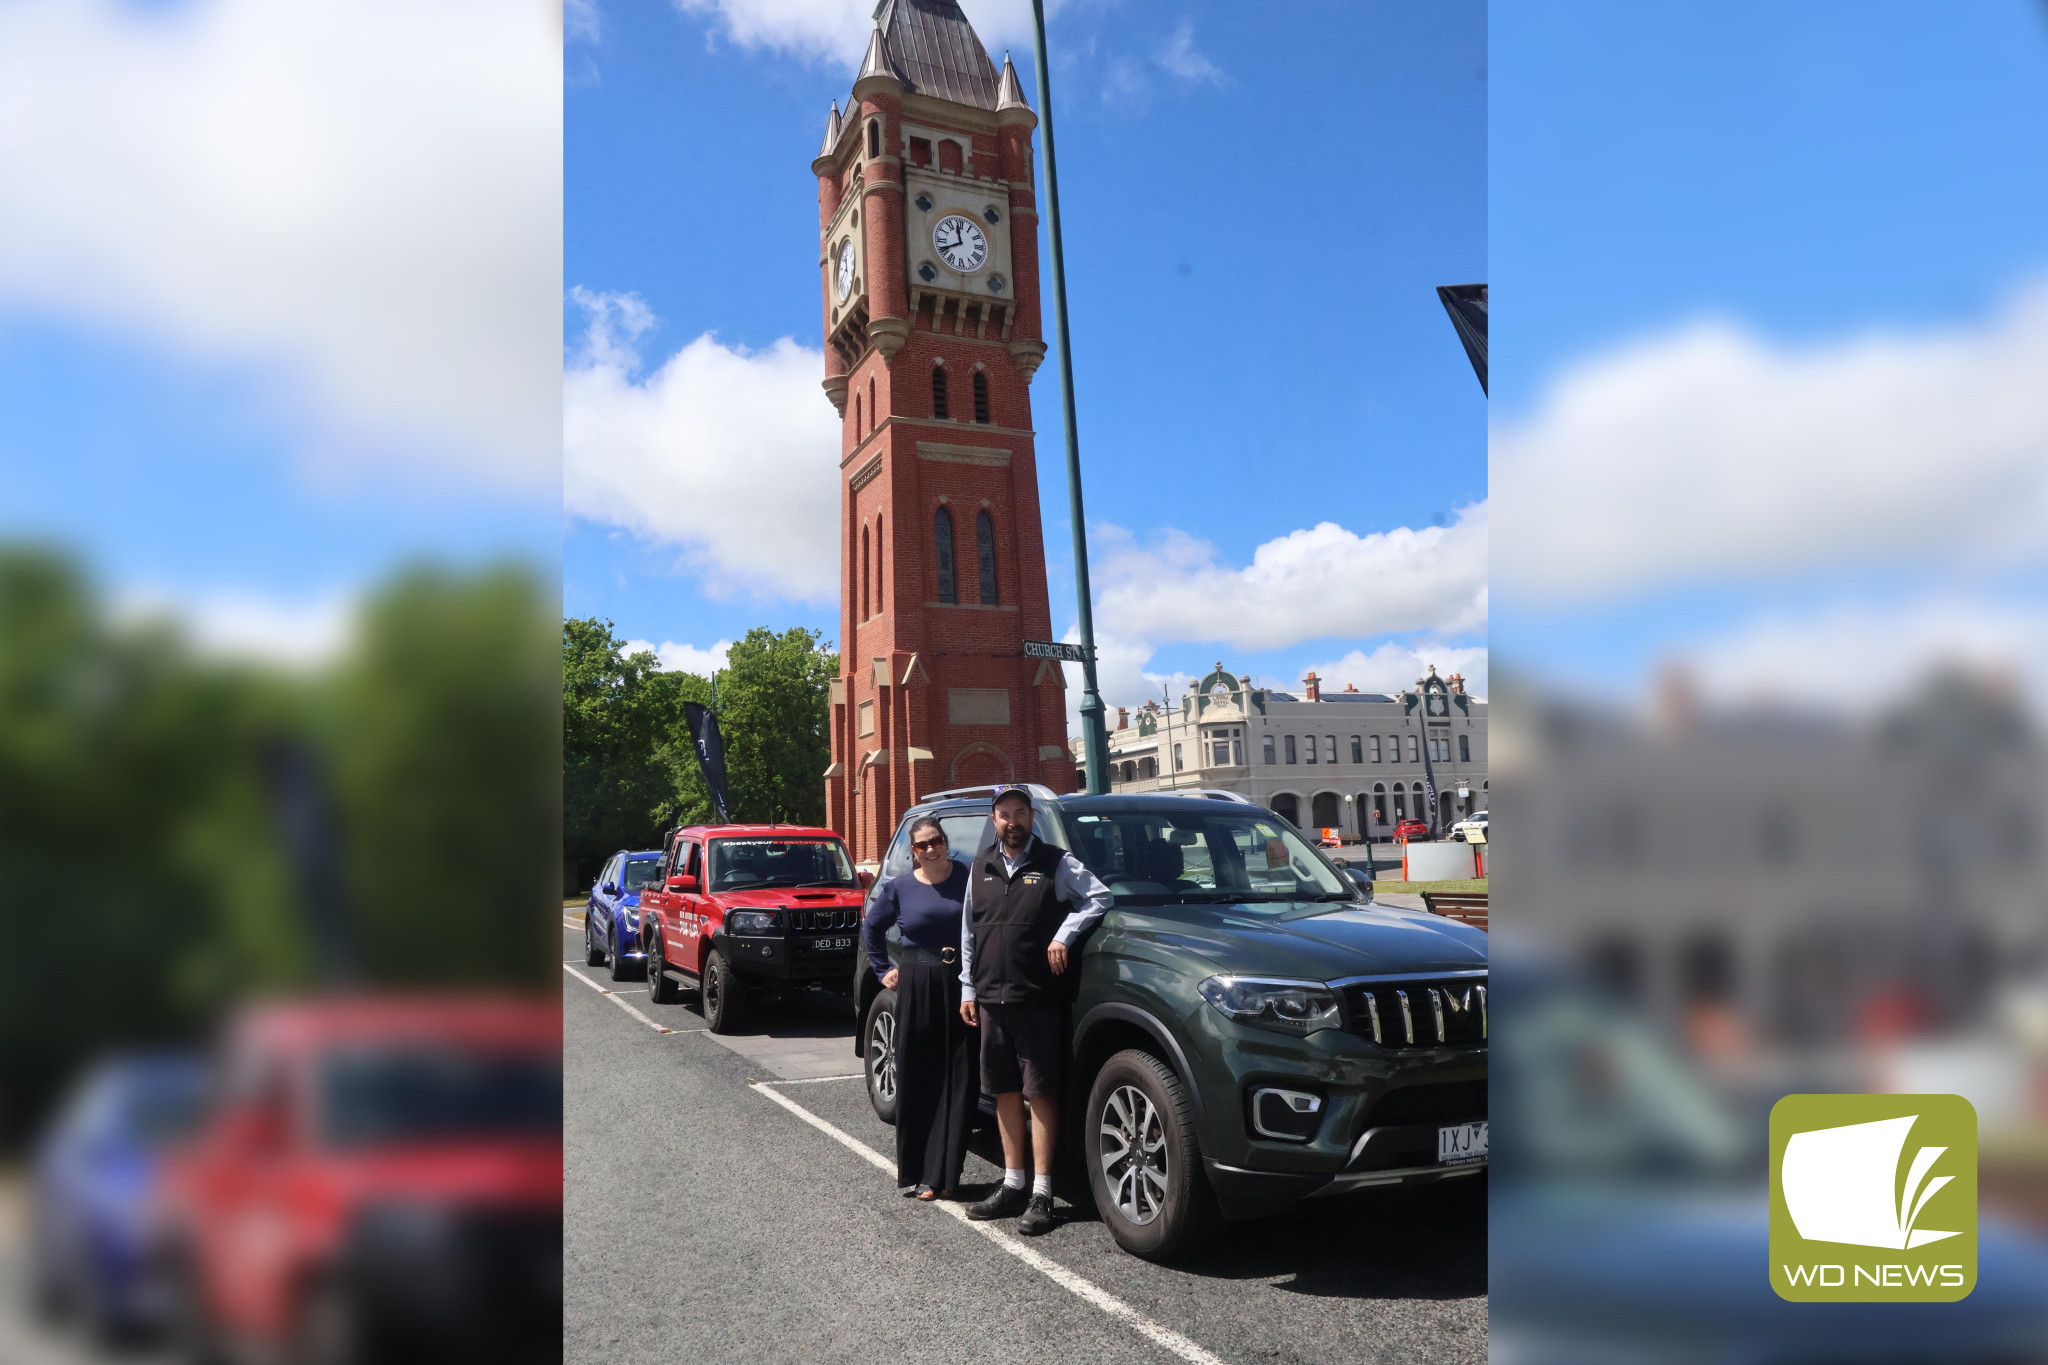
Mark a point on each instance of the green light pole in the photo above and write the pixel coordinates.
(1094, 730)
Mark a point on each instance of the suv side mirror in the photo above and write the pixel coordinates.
(684, 883)
(610, 888)
(865, 878)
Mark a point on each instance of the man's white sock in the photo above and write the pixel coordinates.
(1042, 1184)
(1013, 1179)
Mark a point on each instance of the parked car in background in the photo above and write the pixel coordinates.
(742, 911)
(611, 920)
(92, 1188)
(1411, 831)
(1473, 823)
(380, 1179)
(1249, 1028)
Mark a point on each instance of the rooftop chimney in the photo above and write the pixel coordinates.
(1123, 718)
(1314, 686)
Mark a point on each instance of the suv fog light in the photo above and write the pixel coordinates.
(1291, 1115)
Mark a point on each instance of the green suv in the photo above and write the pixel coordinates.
(1249, 1028)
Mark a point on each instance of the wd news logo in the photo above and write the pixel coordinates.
(1873, 1198)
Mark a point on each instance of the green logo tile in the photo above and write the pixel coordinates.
(1873, 1198)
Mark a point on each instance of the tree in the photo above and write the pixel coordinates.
(774, 712)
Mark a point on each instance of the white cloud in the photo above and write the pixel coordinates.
(1392, 667)
(355, 197)
(1309, 584)
(581, 22)
(1710, 454)
(685, 658)
(240, 625)
(1179, 58)
(728, 454)
(837, 30)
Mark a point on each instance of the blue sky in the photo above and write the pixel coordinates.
(1279, 361)
(1735, 213)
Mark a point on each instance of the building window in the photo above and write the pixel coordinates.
(1308, 742)
(1146, 768)
(1393, 748)
(942, 534)
(864, 613)
(875, 138)
(1414, 750)
(949, 156)
(1288, 808)
(1400, 803)
(985, 542)
(1375, 747)
(1237, 751)
(880, 574)
(1329, 748)
(1176, 758)
(981, 397)
(1464, 748)
(1421, 799)
(921, 154)
(1357, 749)
(1267, 755)
(1379, 803)
(856, 417)
(939, 408)
(1290, 748)
(1323, 810)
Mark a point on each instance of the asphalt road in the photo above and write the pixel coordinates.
(707, 1221)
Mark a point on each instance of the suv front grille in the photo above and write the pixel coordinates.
(847, 918)
(1458, 1102)
(1424, 1012)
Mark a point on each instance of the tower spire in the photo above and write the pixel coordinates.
(1010, 95)
(876, 63)
(833, 123)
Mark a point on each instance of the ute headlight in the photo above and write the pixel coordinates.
(751, 921)
(1299, 1007)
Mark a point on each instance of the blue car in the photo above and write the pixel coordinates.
(91, 1187)
(611, 922)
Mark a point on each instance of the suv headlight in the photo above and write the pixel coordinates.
(1299, 1007)
(751, 921)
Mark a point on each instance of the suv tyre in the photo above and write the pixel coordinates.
(614, 958)
(1144, 1158)
(593, 956)
(878, 1049)
(724, 995)
(660, 990)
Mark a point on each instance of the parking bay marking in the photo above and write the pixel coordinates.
(1158, 1332)
(608, 994)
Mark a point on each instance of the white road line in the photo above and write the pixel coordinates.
(607, 993)
(1163, 1335)
(813, 1080)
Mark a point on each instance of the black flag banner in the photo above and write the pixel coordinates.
(703, 723)
(1466, 303)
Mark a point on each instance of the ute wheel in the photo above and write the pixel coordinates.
(878, 1039)
(1144, 1159)
(660, 990)
(724, 994)
(593, 955)
(331, 1330)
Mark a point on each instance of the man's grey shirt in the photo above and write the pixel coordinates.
(1072, 882)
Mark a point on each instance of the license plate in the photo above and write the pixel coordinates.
(1461, 1143)
(832, 945)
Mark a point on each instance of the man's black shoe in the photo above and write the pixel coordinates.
(1038, 1217)
(1004, 1203)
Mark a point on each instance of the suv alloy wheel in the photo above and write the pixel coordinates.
(593, 956)
(1143, 1157)
(880, 1052)
(660, 990)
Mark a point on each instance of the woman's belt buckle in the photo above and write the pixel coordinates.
(949, 955)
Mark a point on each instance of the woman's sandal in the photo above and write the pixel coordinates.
(927, 1193)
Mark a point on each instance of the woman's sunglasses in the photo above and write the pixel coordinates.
(922, 844)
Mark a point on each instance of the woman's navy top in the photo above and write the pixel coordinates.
(927, 916)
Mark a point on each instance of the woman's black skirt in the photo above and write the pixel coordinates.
(938, 1074)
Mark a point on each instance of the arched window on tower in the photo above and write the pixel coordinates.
(874, 410)
(985, 542)
(942, 538)
(863, 573)
(874, 137)
(981, 397)
(856, 417)
(881, 572)
(939, 392)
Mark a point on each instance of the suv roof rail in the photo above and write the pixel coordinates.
(1216, 794)
(1042, 793)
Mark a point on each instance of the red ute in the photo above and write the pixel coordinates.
(380, 1178)
(743, 907)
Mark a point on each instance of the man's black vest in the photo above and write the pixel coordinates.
(1014, 921)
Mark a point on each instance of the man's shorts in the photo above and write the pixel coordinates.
(1021, 1047)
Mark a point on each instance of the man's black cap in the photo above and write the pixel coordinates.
(1013, 789)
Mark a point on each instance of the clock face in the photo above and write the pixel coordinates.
(845, 269)
(960, 243)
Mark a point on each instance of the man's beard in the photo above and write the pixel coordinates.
(1016, 837)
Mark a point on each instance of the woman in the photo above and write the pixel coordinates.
(937, 1060)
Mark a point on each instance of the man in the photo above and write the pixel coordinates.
(1026, 904)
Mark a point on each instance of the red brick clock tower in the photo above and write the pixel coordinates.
(928, 250)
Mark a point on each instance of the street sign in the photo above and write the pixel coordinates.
(1054, 649)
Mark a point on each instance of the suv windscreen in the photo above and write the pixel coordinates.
(380, 1096)
(1235, 853)
(742, 864)
(642, 873)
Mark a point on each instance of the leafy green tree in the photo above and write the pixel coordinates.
(774, 714)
